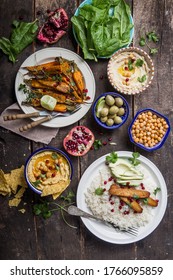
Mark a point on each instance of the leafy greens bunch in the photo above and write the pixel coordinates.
(22, 35)
(102, 27)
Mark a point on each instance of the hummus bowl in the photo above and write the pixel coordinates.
(110, 110)
(48, 171)
(130, 70)
(149, 129)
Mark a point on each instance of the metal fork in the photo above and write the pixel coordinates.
(50, 116)
(75, 211)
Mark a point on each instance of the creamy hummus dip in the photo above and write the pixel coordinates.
(129, 72)
(49, 172)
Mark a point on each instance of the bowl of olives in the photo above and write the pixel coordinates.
(110, 110)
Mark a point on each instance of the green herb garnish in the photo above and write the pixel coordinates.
(152, 36)
(112, 158)
(54, 155)
(136, 196)
(36, 183)
(134, 160)
(130, 65)
(142, 42)
(157, 190)
(142, 79)
(45, 209)
(22, 35)
(97, 144)
(99, 191)
(139, 62)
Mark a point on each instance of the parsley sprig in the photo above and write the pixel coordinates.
(112, 157)
(149, 37)
(45, 208)
(134, 159)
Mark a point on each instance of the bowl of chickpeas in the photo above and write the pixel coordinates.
(110, 110)
(149, 129)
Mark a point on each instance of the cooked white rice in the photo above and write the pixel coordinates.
(109, 209)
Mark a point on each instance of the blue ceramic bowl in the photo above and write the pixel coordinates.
(111, 11)
(161, 142)
(39, 151)
(124, 117)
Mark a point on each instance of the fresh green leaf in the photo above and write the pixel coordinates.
(22, 35)
(54, 155)
(157, 190)
(152, 36)
(36, 183)
(69, 197)
(134, 159)
(139, 62)
(142, 79)
(136, 196)
(42, 209)
(142, 42)
(112, 158)
(153, 50)
(130, 65)
(99, 191)
(97, 144)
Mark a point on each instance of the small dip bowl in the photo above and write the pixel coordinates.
(43, 167)
(149, 129)
(130, 70)
(110, 110)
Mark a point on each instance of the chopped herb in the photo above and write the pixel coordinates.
(54, 155)
(36, 183)
(130, 65)
(152, 36)
(145, 201)
(99, 191)
(157, 190)
(42, 209)
(142, 42)
(68, 197)
(136, 196)
(97, 144)
(112, 158)
(134, 160)
(153, 50)
(142, 79)
(139, 62)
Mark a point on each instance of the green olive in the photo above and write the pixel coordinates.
(117, 120)
(112, 116)
(113, 110)
(121, 112)
(103, 119)
(119, 101)
(109, 100)
(104, 112)
(110, 122)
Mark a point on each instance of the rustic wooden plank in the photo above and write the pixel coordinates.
(16, 228)
(156, 15)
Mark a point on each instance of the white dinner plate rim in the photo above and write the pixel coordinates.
(45, 55)
(94, 227)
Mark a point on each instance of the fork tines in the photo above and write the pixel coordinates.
(131, 230)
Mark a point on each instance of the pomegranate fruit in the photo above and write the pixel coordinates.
(78, 141)
(54, 28)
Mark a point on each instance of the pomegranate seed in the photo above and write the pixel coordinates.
(104, 190)
(104, 143)
(105, 182)
(120, 207)
(85, 90)
(88, 98)
(127, 79)
(110, 197)
(110, 179)
(121, 203)
(112, 202)
(48, 11)
(142, 186)
(112, 210)
(47, 161)
(67, 79)
(126, 68)
(54, 174)
(110, 139)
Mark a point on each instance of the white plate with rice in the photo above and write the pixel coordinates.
(98, 175)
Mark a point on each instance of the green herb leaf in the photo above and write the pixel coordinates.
(152, 36)
(142, 42)
(134, 160)
(112, 158)
(157, 190)
(153, 50)
(54, 155)
(130, 64)
(97, 144)
(99, 191)
(42, 209)
(136, 196)
(142, 79)
(69, 197)
(36, 183)
(21, 36)
(139, 62)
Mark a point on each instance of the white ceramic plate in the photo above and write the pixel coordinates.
(47, 55)
(108, 233)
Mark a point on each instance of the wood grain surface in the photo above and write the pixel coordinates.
(25, 236)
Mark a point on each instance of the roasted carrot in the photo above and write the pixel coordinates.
(41, 67)
(60, 108)
(151, 202)
(78, 79)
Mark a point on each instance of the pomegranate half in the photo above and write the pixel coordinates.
(78, 141)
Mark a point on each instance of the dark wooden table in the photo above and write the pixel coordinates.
(25, 236)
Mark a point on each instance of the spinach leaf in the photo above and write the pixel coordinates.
(22, 35)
